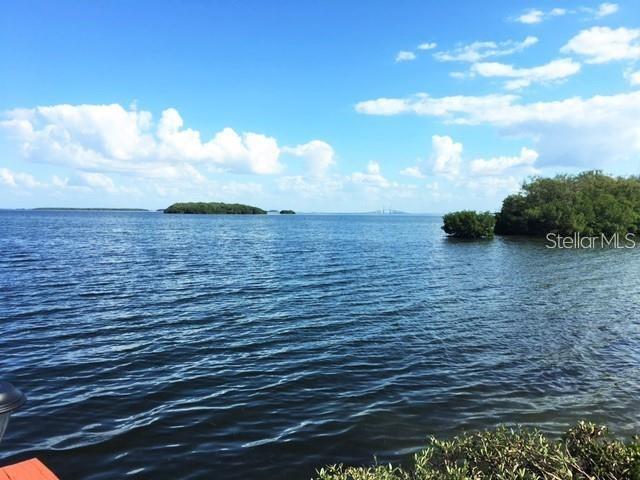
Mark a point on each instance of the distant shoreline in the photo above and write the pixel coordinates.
(89, 209)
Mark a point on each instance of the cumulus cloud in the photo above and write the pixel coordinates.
(372, 177)
(491, 186)
(110, 138)
(427, 46)
(477, 51)
(535, 15)
(523, 77)
(404, 56)
(459, 75)
(499, 165)
(311, 187)
(574, 131)
(371, 183)
(414, 172)
(318, 155)
(447, 156)
(13, 179)
(98, 180)
(207, 189)
(633, 78)
(458, 108)
(81, 182)
(531, 16)
(606, 9)
(604, 44)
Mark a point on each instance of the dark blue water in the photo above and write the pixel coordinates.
(197, 347)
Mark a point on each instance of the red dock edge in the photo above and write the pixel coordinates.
(32, 469)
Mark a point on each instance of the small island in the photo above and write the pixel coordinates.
(287, 212)
(214, 208)
(469, 224)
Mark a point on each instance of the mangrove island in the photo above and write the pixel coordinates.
(214, 208)
(590, 203)
(469, 224)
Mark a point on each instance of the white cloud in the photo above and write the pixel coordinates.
(404, 56)
(238, 188)
(370, 184)
(208, 189)
(576, 131)
(383, 106)
(434, 189)
(492, 186)
(523, 77)
(414, 172)
(535, 15)
(372, 177)
(499, 165)
(98, 180)
(606, 9)
(427, 46)
(310, 187)
(446, 156)
(558, 12)
(318, 155)
(478, 51)
(531, 16)
(249, 152)
(109, 138)
(18, 179)
(58, 182)
(634, 78)
(458, 108)
(604, 44)
(459, 75)
(82, 182)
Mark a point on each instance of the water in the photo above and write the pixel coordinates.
(197, 347)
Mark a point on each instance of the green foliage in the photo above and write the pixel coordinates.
(214, 208)
(340, 472)
(287, 212)
(469, 224)
(596, 455)
(585, 452)
(590, 203)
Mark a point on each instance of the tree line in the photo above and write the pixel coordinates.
(590, 203)
(214, 208)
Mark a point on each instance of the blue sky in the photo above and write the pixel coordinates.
(317, 106)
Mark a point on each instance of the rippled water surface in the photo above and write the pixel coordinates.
(236, 347)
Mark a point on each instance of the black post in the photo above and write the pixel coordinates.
(10, 400)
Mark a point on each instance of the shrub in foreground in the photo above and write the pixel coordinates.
(585, 452)
(469, 224)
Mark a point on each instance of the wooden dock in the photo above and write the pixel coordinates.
(32, 469)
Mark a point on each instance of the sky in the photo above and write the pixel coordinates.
(323, 106)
